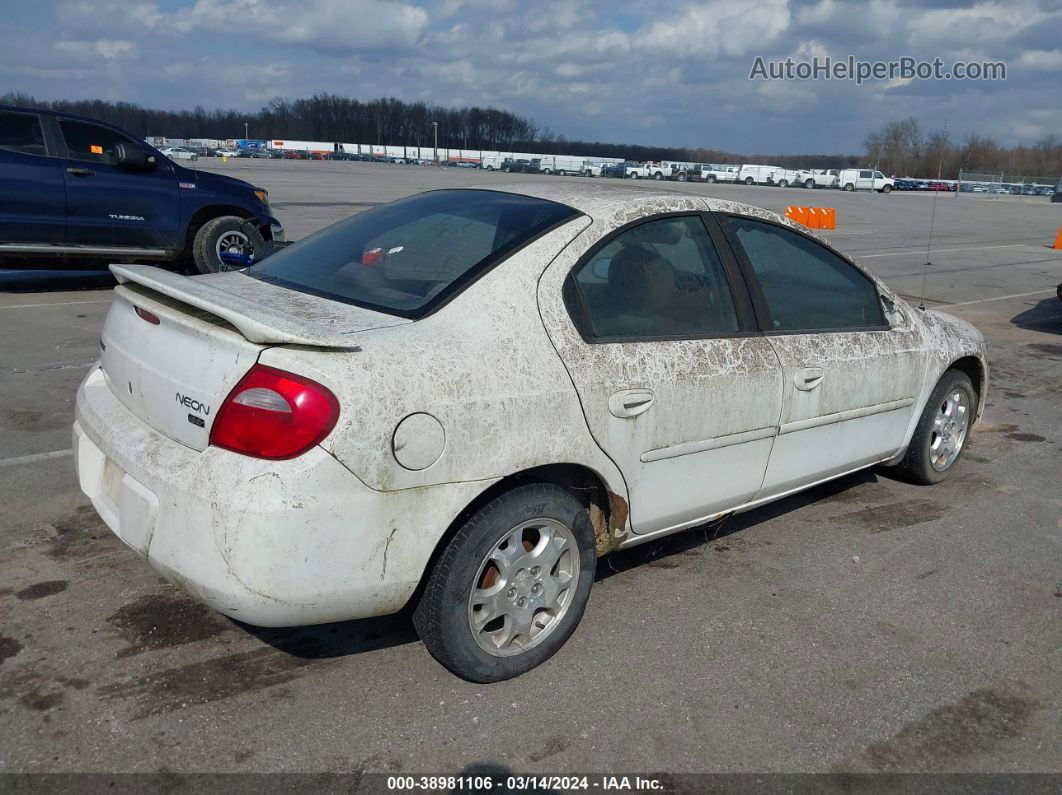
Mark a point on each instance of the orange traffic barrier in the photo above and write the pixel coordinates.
(813, 217)
(1058, 240)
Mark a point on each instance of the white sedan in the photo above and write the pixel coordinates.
(465, 397)
(179, 153)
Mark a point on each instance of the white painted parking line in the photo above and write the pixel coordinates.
(56, 303)
(1004, 297)
(939, 251)
(32, 459)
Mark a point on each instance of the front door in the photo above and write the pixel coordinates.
(108, 205)
(32, 195)
(676, 384)
(850, 379)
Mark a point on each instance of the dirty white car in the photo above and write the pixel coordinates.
(463, 398)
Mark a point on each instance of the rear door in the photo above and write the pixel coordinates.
(850, 379)
(111, 206)
(676, 385)
(32, 193)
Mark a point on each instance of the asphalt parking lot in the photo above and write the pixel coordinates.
(865, 625)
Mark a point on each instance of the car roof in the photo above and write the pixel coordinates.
(598, 199)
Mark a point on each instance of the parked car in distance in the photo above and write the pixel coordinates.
(718, 173)
(851, 179)
(506, 385)
(101, 193)
(758, 174)
(180, 153)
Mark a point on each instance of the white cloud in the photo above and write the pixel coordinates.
(709, 28)
(108, 49)
(1049, 60)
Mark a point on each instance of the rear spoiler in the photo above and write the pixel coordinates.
(256, 320)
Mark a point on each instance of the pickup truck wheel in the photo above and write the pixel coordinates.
(849, 187)
(510, 587)
(220, 236)
(749, 180)
(940, 436)
(783, 183)
(681, 177)
(634, 175)
(658, 175)
(711, 178)
(809, 183)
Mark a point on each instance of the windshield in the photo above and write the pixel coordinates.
(412, 255)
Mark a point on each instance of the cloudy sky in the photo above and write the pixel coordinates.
(627, 71)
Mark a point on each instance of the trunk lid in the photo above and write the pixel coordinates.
(175, 374)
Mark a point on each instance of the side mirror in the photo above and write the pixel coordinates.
(132, 157)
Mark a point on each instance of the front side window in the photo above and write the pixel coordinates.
(91, 142)
(21, 132)
(806, 286)
(878, 175)
(409, 256)
(659, 279)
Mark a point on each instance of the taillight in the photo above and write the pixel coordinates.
(274, 414)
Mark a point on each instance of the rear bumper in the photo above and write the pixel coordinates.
(270, 543)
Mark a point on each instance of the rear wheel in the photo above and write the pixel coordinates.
(809, 183)
(510, 586)
(658, 175)
(634, 175)
(749, 180)
(221, 244)
(783, 183)
(849, 187)
(711, 178)
(940, 437)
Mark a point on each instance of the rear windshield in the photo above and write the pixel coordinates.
(409, 256)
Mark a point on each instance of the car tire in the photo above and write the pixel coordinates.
(536, 514)
(809, 184)
(849, 187)
(681, 177)
(749, 180)
(634, 176)
(211, 236)
(940, 436)
(886, 188)
(711, 179)
(658, 176)
(783, 183)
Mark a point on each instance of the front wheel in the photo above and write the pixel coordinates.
(222, 244)
(510, 587)
(940, 436)
(886, 188)
(783, 184)
(809, 183)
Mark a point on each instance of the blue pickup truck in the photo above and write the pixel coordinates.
(75, 187)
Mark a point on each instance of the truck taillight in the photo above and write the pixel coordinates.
(274, 414)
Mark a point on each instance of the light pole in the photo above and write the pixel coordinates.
(435, 152)
(246, 134)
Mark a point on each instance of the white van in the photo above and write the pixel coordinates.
(864, 179)
(563, 164)
(758, 175)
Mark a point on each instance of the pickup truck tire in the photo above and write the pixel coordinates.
(809, 184)
(749, 180)
(463, 598)
(211, 237)
(711, 178)
(782, 183)
(849, 187)
(634, 175)
(658, 175)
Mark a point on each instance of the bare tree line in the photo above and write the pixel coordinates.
(900, 148)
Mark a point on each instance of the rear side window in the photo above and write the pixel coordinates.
(656, 280)
(409, 256)
(91, 142)
(21, 132)
(806, 286)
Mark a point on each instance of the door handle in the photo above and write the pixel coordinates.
(80, 172)
(630, 402)
(808, 378)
